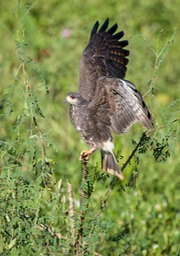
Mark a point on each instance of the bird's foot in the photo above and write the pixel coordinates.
(85, 155)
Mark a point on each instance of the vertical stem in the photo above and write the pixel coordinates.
(43, 146)
(83, 209)
(71, 212)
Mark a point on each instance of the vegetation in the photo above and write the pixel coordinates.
(50, 203)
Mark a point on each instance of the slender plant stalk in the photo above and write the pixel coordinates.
(71, 213)
(41, 138)
(84, 195)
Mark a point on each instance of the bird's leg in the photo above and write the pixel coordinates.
(85, 154)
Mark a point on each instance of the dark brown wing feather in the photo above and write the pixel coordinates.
(104, 56)
(122, 103)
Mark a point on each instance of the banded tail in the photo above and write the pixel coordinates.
(110, 165)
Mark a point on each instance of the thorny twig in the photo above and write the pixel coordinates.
(115, 180)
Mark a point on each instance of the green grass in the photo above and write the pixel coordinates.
(39, 148)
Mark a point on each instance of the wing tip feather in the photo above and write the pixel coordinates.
(94, 29)
(104, 26)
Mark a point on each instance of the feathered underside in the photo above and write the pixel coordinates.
(104, 56)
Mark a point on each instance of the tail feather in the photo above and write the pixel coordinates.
(109, 164)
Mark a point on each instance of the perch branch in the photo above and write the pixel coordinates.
(83, 209)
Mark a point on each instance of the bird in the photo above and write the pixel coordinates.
(105, 102)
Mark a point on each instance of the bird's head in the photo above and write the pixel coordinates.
(74, 99)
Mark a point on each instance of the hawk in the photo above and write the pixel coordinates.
(105, 102)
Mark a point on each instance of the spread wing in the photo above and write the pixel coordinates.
(104, 56)
(123, 104)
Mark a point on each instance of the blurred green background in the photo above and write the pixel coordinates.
(41, 45)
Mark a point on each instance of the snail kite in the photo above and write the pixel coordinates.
(105, 102)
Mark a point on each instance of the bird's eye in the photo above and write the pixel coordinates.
(72, 97)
